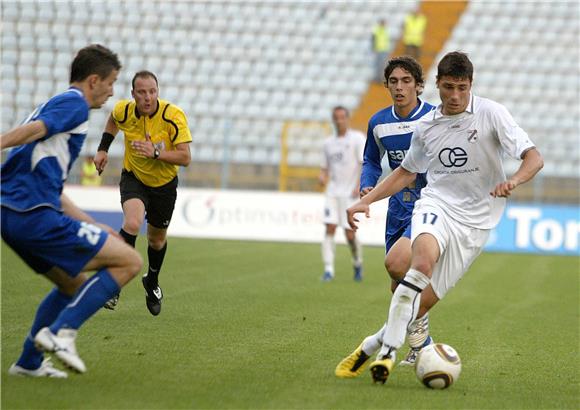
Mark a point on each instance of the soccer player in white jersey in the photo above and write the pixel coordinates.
(460, 146)
(389, 138)
(340, 172)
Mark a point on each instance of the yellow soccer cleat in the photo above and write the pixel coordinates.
(381, 369)
(353, 364)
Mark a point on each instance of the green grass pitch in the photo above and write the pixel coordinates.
(250, 325)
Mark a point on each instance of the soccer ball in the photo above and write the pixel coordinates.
(438, 366)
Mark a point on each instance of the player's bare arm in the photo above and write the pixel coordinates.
(23, 135)
(181, 155)
(102, 157)
(532, 163)
(397, 180)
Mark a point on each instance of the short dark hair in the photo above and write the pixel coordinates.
(143, 74)
(455, 64)
(409, 64)
(93, 59)
(340, 107)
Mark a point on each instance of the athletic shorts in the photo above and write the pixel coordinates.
(159, 201)
(459, 244)
(45, 238)
(395, 230)
(335, 210)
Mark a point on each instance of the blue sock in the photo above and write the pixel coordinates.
(88, 299)
(47, 312)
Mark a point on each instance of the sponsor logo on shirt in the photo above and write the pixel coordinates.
(397, 154)
(472, 137)
(453, 157)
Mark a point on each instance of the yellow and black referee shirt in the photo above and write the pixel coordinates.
(167, 127)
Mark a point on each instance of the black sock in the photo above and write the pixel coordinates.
(130, 239)
(155, 262)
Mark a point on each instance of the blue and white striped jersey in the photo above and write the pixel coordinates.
(33, 174)
(388, 134)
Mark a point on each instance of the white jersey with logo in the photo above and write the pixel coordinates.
(342, 158)
(462, 155)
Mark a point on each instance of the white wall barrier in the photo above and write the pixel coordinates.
(297, 217)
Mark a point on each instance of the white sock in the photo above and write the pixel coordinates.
(328, 249)
(403, 310)
(418, 331)
(373, 343)
(356, 252)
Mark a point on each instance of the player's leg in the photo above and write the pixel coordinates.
(356, 253)
(354, 244)
(31, 361)
(133, 200)
(397, 263)
(133, 217)
(157, 246)
(405, 303)
(116, 264)
(328, 251)
(330, 220)
(159, 210)
(26, 234)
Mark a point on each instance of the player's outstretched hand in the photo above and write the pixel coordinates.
(100, 160)
(504, 189)
(355, 209)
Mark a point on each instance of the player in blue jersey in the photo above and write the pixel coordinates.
(53, 236)
(388, 139)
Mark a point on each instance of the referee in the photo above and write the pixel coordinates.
(156, 142)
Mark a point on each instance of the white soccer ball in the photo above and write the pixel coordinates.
(438, 366)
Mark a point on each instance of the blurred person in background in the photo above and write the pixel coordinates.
(340, 171)
(389, 135)
(414, 33)
(89, 174)
(157, 141)
(48, 231)
(381, 46)
(460, 145)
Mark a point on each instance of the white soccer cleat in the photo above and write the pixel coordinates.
(46, 369)
(63, 347)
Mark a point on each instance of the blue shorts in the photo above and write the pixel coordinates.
(45, 238)
(396, 230)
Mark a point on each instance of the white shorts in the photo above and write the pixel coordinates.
(335, 210)
(459, 244)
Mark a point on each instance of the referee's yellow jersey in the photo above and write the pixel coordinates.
(167, 127)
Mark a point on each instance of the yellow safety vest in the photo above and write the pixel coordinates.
(414, 30)
(90, 176)
(381, 39)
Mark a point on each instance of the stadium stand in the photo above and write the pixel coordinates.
(241, 70)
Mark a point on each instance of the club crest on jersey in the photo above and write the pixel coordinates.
(472, 136)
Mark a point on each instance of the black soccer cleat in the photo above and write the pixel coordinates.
(153, 297)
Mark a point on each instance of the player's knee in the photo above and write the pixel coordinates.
(133, 263)
(132, 224)
(423, 265)
(396, 267)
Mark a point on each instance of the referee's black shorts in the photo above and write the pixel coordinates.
(159, 201)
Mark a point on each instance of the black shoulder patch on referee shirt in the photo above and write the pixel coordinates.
(125, 115)
(171, 122)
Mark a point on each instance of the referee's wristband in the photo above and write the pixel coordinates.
(106, 141)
